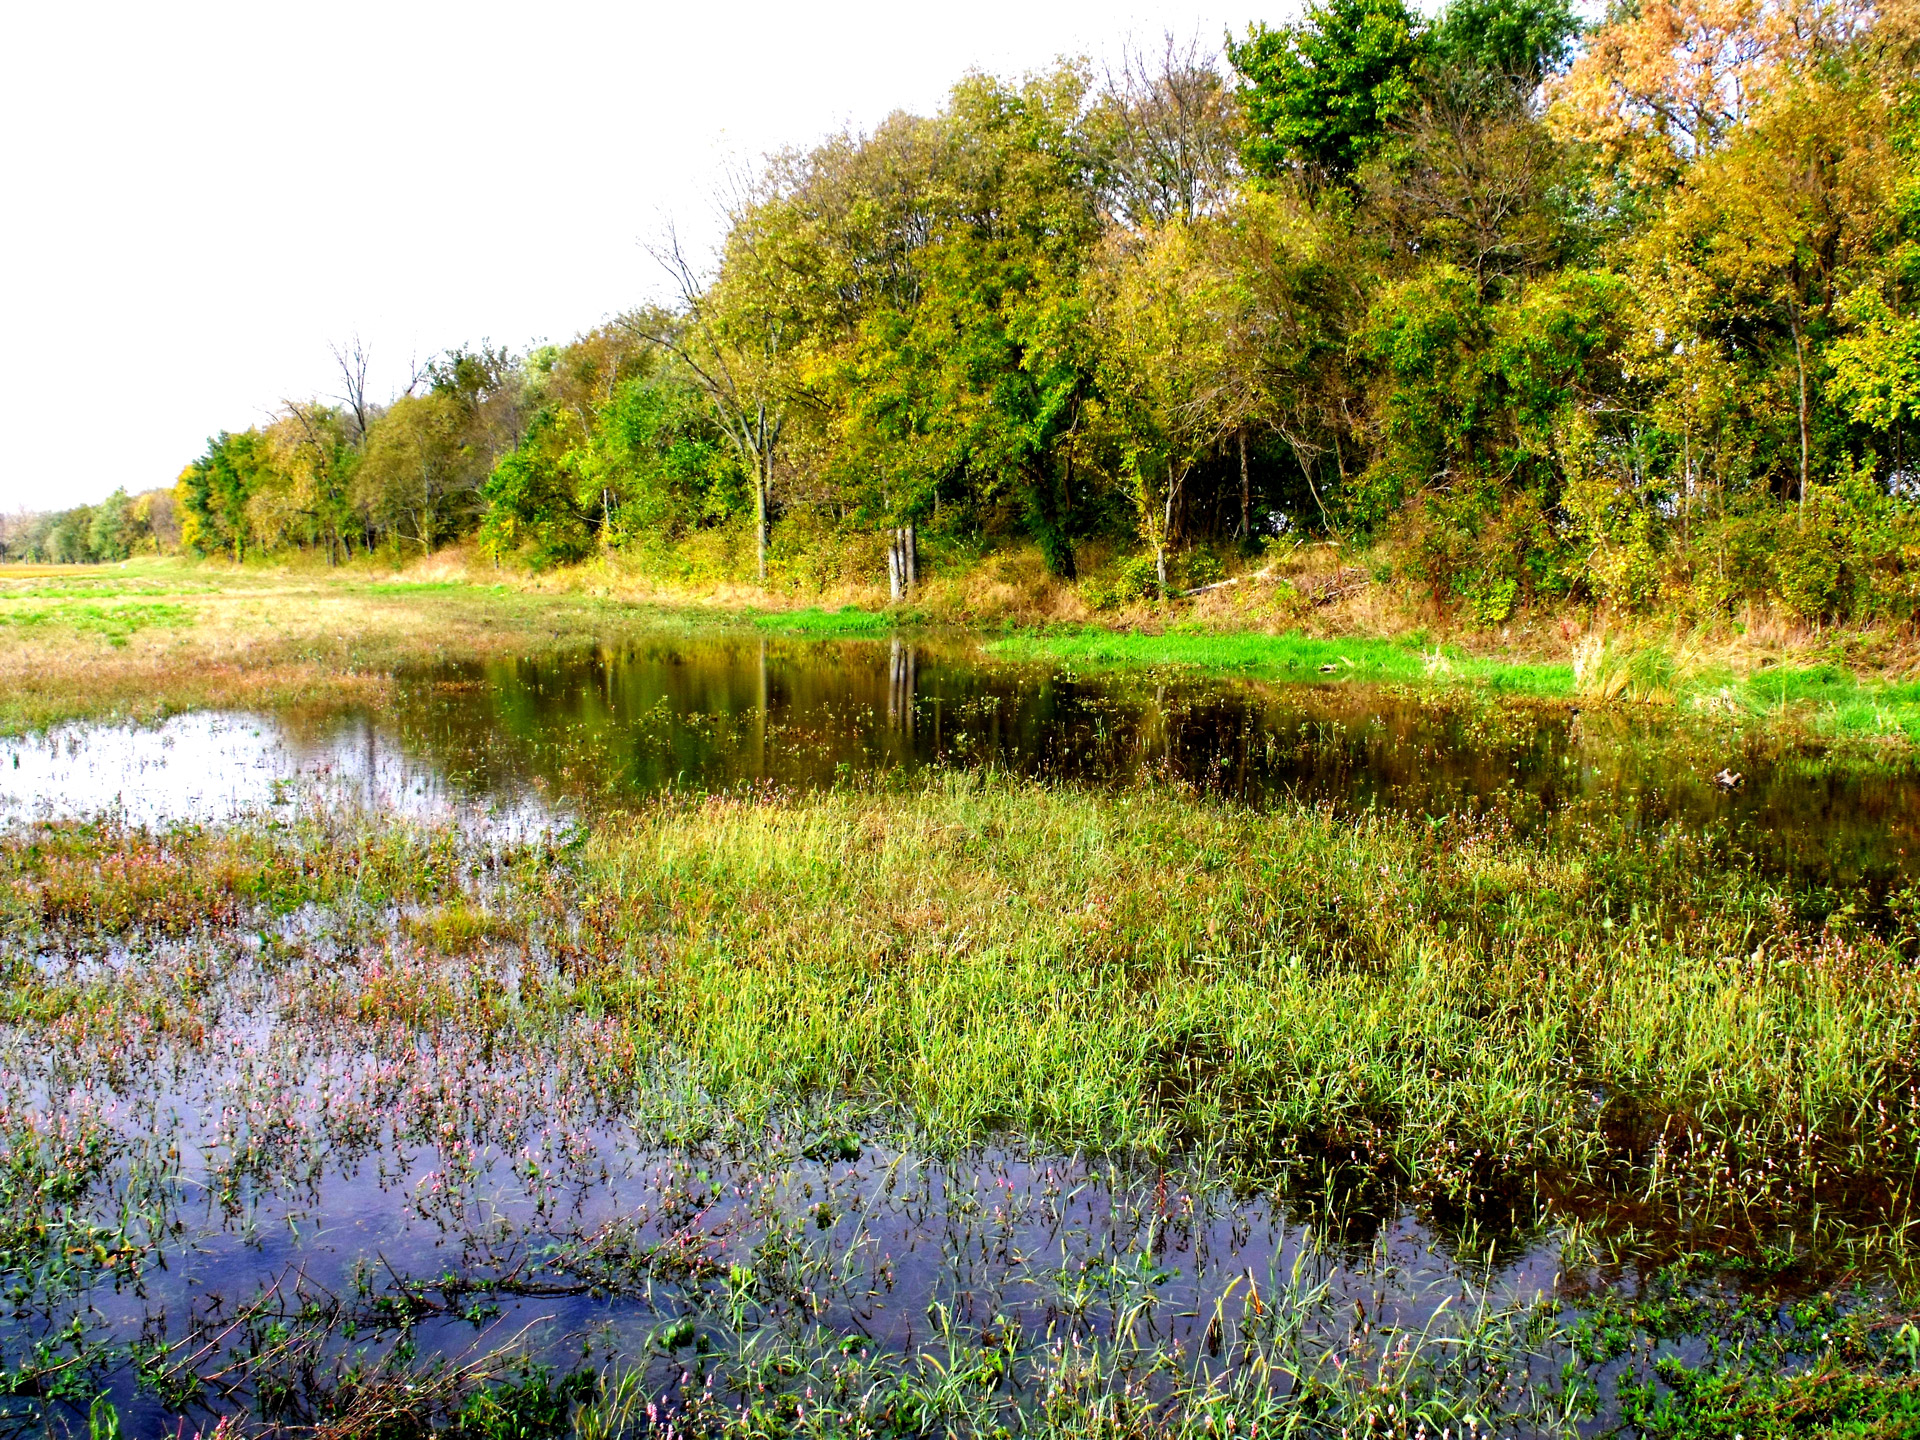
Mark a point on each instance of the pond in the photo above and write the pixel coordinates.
(287, 1175)
(510, 742)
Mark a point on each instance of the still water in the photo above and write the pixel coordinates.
(299, 1179)
(527, 742)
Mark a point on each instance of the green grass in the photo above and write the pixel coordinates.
(1832, 699)
(113, 623)
(1146, 972)
(1627, 1029)
(1289, 657)
(848, 620)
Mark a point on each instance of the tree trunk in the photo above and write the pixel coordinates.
(1800, 362)
(1166, 535)
(762, 484)
(1243, 483)
(903, 562)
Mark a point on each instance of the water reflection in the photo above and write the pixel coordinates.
(221, 765)
(516, 741)
(610, 724)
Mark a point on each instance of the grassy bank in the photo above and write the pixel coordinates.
(1402, 660)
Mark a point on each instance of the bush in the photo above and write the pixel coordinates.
(1126, 581)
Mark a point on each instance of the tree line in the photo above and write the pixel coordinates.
(1529, 310)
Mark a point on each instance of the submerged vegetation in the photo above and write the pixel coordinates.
(777, 1033)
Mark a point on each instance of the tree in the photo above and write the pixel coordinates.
(215, 490)
(1742, 275)
(1300, 293)
(1469, 186)
(1168, 135)
(112, 530)
(1162, 317)
(1320, 96)
(353, 362)
(313, 448)
(1523, 42)
(950, 361)
(731, 337)
(419, 469)
(1668, 82)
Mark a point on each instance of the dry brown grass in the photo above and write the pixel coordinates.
(245, 638)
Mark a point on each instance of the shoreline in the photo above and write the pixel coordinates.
(150, 638)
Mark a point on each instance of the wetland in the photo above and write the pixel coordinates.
(689, 1029)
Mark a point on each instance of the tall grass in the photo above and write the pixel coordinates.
(1137, 970)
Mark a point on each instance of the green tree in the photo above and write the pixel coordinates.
(970, 381)
(1321, 96)
(111, 532)
(215, 489)
(1521, 41)
(1163, 321)
(420, 477)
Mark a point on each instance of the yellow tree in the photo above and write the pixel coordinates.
(1671, 82)
(1742, 275)
(1164, 317)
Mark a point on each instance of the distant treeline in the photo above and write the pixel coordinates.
(118, 528)
(1534, 312)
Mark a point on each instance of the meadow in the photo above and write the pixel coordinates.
(932, 1101)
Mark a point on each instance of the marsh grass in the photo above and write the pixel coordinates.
(1287, 992)
(1626, 1036)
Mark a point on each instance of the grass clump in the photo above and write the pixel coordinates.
(847, 620)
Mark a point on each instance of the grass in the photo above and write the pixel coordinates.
(1418, 998)
(259, 638)
(848, 620)
(1291, 657)
(822, 1037)
(1839, 703)
(115, 624)
(1623, 1040)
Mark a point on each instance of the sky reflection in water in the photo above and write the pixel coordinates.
(319, 1168)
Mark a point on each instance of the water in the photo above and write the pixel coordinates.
(296, 1185)
(525, 742)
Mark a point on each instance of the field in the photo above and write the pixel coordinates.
(942, 1101)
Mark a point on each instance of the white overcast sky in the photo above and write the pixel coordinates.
(198, 199)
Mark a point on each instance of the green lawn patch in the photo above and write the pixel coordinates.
(115, 623)
(1290, 657)
(849, 620)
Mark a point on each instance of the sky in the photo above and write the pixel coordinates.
(200, 200)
